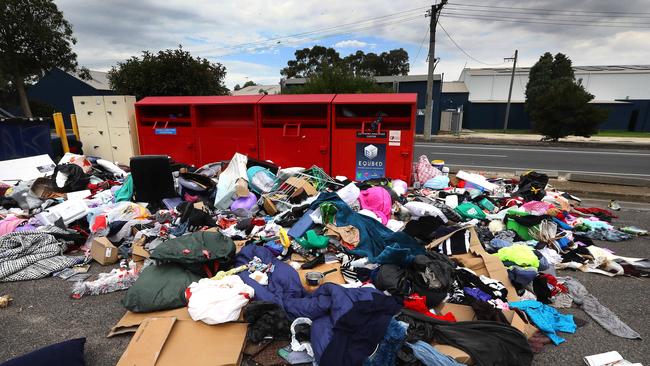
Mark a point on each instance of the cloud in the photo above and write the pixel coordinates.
(252, 40)
(351, 43)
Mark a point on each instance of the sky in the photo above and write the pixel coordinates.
(254, 39)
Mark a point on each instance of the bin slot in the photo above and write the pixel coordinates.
(225, 116)
(165, 112)
(387, 123)
(164, 124)
(307, 115)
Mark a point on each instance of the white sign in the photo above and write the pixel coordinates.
(394, 138)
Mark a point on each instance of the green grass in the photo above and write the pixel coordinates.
(620, 133)
(608, 133)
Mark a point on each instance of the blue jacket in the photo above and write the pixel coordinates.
(547, 319)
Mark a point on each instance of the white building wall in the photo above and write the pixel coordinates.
(603, 85)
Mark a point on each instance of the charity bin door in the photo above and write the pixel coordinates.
(296, 135)
(226, 129)
(166, 130)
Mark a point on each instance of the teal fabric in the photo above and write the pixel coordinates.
(125, 193)
(547, 319)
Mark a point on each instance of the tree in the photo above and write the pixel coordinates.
(557, 104)
(34, 38)
(237, 87)
(337, 79)
(311, 61)
(169, 72)
(249, 83)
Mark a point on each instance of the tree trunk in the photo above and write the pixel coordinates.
(24, 103)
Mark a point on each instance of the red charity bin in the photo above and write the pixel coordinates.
(226, 125)
(373, 135)
(295, 129)
(165, 127)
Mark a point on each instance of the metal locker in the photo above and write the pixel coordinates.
(90, 111)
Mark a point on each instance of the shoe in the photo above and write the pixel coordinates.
(613, 205)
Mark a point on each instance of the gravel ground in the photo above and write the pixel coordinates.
(42, 313)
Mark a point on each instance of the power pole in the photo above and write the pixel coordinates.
(512, 78)
(433, 22)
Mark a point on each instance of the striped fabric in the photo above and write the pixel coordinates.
(30, 255)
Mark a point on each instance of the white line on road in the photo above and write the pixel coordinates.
(541, 169)
(482, 155)
(532, 150)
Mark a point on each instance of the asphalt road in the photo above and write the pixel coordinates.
(42, 312)
(619, 162)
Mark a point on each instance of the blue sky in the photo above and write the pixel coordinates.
(114, 30)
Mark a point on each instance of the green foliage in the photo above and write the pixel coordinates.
(312, 61)
(249, 83)
(34, 38)
(558, 106)
(169, 72)
(337, 79)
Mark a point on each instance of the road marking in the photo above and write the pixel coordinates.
(542, 169)
(482, 155)
(532, 150)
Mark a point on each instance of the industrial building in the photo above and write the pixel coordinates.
(481, 94)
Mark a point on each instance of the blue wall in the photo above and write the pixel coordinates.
(57, 88)
(642, 109)
(420, 87)
(491, 115)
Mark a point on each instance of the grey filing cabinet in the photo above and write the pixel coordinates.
(107, 126)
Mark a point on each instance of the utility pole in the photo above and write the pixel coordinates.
(433, 22)
(512, 78)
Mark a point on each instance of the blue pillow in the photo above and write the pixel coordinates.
(68, 353)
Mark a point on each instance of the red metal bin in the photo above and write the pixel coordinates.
(373, 135)
(295, 129)
(165, 127)
(226, 125)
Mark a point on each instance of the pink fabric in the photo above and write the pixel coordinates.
(377, 200)
(424, 170)
(537, 207)
(10, 224)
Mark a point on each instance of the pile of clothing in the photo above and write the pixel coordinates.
(448, 269)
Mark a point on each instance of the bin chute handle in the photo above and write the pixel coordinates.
(284, 130)
(156, 124)
(376, 122)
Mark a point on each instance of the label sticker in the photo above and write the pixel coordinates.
(165, 131)
(370, 161)
(394, 138)
(371, 135)
(108, 252)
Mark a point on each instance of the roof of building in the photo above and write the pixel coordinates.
(99, 79)
(454, 87)
(576, 69)
(255, 89)
(379, 79)
(523, 101)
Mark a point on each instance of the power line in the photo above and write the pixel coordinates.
(551, 10)
(381, 20)
(524, 21)
(578, 21)
(527, 12)
(463, 51)
(426, 33)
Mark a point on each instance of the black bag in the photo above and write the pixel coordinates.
(77, 180)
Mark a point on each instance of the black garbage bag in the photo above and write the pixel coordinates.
(76, 180)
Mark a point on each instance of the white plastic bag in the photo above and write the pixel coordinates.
(218, 301)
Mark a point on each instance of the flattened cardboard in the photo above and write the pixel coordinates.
(301, 183)
(167, 342)
(241, 188)
(144, 348)
(138, 252)
(334, 277)
(103, 251)
(131, 321)
(199, 344)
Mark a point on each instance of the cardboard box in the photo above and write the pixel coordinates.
(481, 262)
(299, 183)
(168, 341)
(466, 313)
(103, 251)
(241, 188)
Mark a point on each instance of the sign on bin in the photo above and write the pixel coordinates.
(165, 131)
(371, 161)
